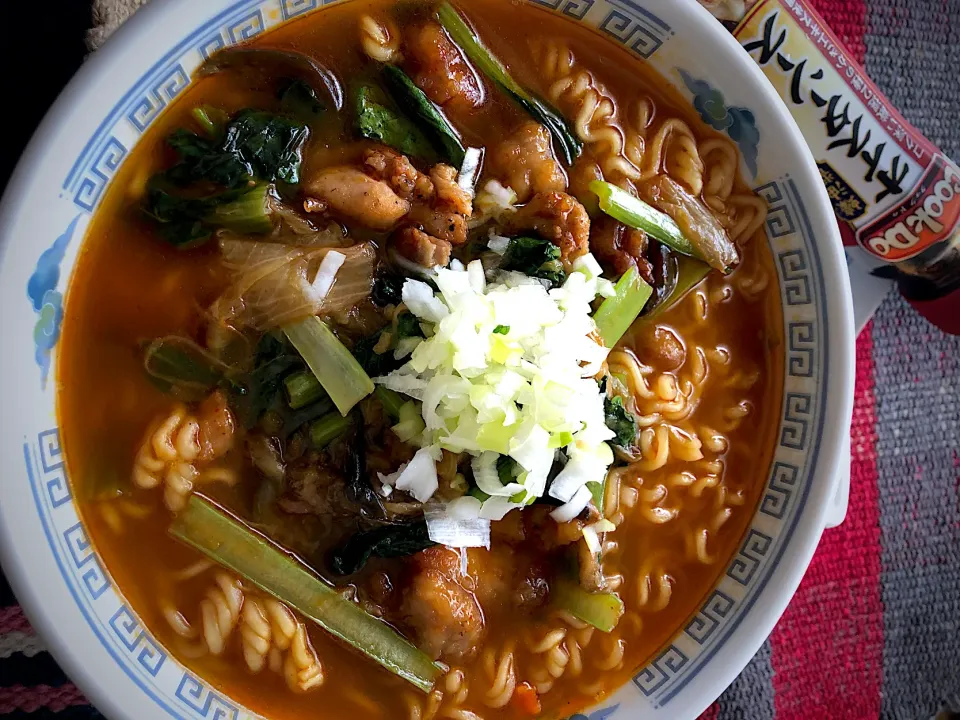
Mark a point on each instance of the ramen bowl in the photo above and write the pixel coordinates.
(56, 570)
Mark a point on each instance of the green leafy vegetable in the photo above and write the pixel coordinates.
(620, 420)
(535, 257)
(616, 314)
(373, 363)
(337, 370)
(299, 100)
(211, 119)
(185, 220)
(602, 610)
(565, 138)
(178, 362)
(388, 289)
(419, 107)
(273, 361)
(376, 119)
(255, 145)
(229, 542)
(408, 325)
(501, 330)
(391, 541)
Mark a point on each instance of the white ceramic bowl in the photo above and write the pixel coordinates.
(46, 554)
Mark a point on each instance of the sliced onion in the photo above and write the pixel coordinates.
(470, 169)
(567, 512)
(451, 525)
(592, 540)
(485, 473)
(496, 508)
(419, 476)
(420, 300)
(327, 273)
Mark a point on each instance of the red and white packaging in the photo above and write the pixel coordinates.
(896, 195)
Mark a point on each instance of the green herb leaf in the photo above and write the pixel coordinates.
(392, 541)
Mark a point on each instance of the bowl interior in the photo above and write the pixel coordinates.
(91, 131)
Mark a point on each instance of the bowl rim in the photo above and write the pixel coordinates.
(839, 372)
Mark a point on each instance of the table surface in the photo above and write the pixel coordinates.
(874, 630)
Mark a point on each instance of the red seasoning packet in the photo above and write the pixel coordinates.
(896, 195)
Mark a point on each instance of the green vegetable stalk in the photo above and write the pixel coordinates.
(635, 213)
(602, 610)
(229, 542)
(616, 314)
(337, 370)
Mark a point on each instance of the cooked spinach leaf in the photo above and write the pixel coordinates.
(299, 100)
(621, 421)
(373, 363)
(535, 257)
(388, 289)
(255, 146)
(408, 326)
(391, 541)
(413, 101)
(184, 220)
(377, 120)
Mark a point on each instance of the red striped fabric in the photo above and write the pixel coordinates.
(828, 647)
(711, 713)
(30, 699)
(12, 619)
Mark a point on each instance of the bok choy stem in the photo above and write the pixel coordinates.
(229, 542)
(333, 365)
(616, 314)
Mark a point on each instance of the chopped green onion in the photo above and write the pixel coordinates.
(478, 494)
(333, 365)
(634, 212)
(616, 314)
(501, 330)
(412, 100)
(598, 490)
(411, 423)
(202, 116)
(303, 388)
(564, 137)
(327, 429)
(602, 610)
(229, 542)
(392, 401)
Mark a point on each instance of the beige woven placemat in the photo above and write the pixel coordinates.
(108, 15)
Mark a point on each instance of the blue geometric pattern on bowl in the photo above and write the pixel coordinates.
(180, 693)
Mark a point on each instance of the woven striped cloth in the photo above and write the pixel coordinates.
(874, 630)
